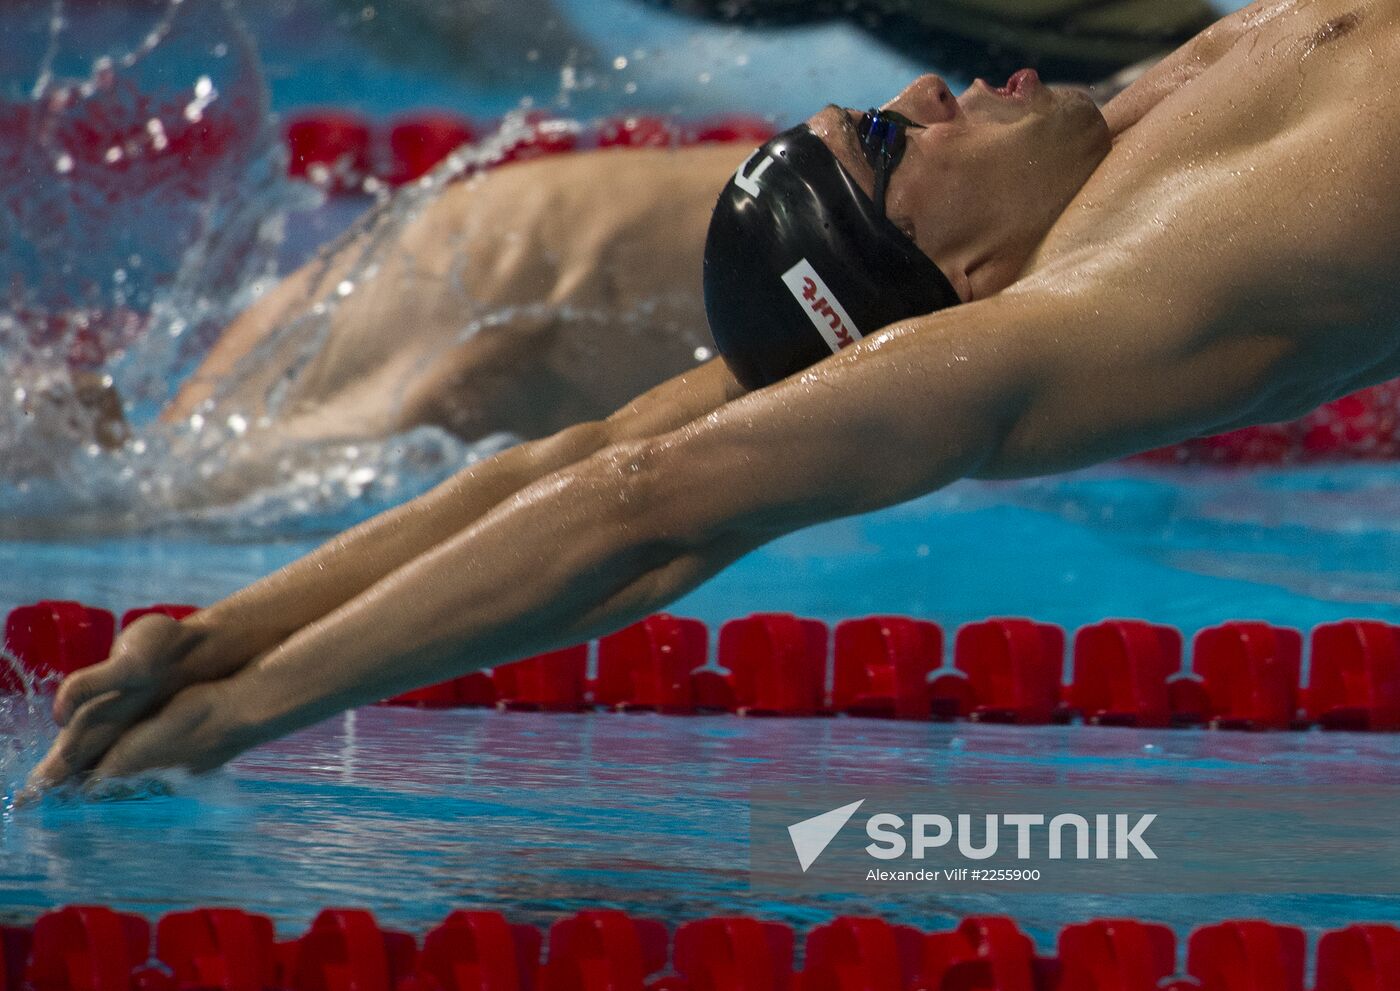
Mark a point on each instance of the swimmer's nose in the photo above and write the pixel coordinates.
(927, 100)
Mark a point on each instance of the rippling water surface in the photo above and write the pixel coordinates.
(416, 813)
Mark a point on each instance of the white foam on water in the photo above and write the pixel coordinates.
(26, 729)
(134, 264)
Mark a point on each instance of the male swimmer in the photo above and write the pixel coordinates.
(1217, 249)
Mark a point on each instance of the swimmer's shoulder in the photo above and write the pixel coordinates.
(607, 179)
(1181, 67)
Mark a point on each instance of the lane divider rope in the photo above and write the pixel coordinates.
(94, 948)
(1240, 675)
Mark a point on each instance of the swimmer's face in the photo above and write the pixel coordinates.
(987, 175)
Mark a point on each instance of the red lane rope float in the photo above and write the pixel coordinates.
(1246, 676)
(1121, 673)
(417, 144)
(347, 153)
(57, 637)
(1007, 671)
(648, 666)
(1353, 683)
(1363, 426)
(1243, 675)
(882, 665)
(94, 948)
(329, 149)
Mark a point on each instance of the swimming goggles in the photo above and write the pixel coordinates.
(882, 141)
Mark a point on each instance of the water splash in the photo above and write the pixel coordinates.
(150, 170)
(26, 726)
(154, 211)
(27, 730)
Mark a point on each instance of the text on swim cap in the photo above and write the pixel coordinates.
(821, 306)
(749, 183)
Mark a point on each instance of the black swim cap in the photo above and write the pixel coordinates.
(798, 264)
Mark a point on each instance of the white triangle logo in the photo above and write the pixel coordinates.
(811, 836)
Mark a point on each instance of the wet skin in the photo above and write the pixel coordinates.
(1229, 261)
(526, 299)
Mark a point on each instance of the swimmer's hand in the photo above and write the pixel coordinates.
(197, 730)
(152, 661)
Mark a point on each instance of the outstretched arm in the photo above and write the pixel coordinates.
(261, 615)
(1019, 384)
(157, 657)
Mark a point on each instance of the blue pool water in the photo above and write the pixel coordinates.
(1189, 548)
(415, 813)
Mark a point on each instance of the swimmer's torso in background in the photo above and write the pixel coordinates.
(1256, 201)
(528, 298)
(1079, 40)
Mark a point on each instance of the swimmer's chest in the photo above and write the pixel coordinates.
(1271, 173)
(1296, 64)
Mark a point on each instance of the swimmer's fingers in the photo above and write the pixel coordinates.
(94, 728)
(192, 732)
(143, 663)
(110, 678)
